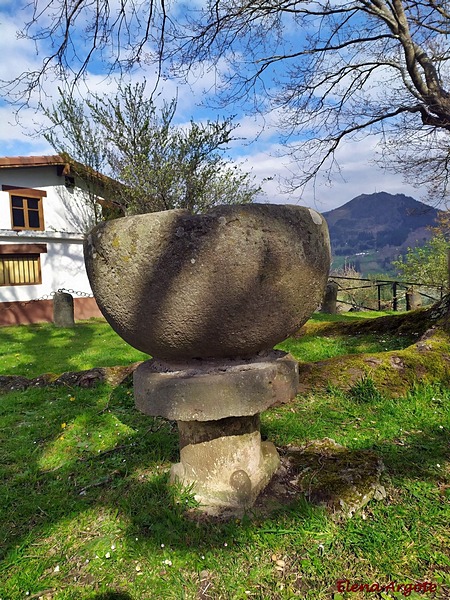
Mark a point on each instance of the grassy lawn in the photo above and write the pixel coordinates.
(86, 513)
(31, 350)
(316, 343)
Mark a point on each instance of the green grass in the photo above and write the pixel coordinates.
(319, 317)
(86, 512)
(312, 344)
(31, 350)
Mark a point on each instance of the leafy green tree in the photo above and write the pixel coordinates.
(426, 264)
(151, 164)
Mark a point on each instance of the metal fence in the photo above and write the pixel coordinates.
(383, 294)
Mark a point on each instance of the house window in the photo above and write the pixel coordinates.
(26, 213)
(20, 264)
(26, 208)
(20, 269)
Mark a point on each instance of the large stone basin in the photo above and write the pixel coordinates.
(228, 283)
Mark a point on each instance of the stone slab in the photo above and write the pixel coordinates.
(63, 310)
(211, 390)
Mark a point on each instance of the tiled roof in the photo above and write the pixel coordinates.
(30, 161)
(69, 166)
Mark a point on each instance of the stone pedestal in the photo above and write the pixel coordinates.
(224, 469)
(217, 404)
(197, 292)
(413, 300)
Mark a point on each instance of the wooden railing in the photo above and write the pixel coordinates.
(393, 293)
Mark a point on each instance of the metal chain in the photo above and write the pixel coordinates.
(73, 292)
(49, 296)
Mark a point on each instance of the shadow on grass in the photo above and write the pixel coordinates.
(27, 344)
(111, 596)
(131, 475)
(32, 350)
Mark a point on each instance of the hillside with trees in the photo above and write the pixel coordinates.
(372, 230)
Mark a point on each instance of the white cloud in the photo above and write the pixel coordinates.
(359, 175)
(21, 52)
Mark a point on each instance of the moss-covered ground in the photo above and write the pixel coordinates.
(396, 351)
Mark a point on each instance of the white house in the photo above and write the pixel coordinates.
(44, 214)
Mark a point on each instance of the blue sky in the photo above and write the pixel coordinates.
(258, 150)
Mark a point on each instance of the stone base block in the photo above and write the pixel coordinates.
(208, 390)
(228, 471)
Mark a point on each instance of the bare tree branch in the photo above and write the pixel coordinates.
(331, 69)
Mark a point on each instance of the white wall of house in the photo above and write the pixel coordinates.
(64, 209)
(62, 266)
(67, 216)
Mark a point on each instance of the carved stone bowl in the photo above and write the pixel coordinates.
(231, 282)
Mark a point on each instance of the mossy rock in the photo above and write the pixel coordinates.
(326, 474)
(332, 476)
(394, 373)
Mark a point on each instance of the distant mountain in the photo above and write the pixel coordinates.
(375, 228)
